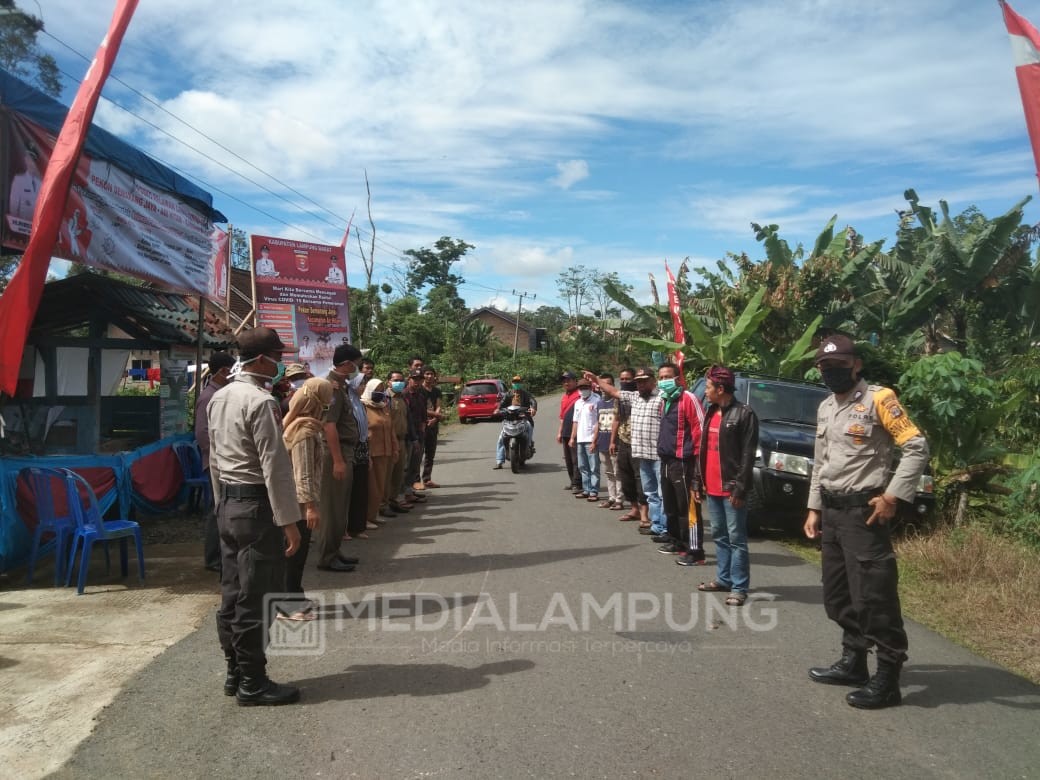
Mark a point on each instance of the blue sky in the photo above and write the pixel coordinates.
(615, 135)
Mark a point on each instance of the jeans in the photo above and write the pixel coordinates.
(588, 464)
(650, 479)
(729, 531)
(500, 449)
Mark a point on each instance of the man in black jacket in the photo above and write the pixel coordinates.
(729, 438)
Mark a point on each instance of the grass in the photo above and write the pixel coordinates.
(975, 588)
(978, 589)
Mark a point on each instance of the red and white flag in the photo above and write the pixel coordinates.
(1025, 50)
(22, 297)
(677, 323)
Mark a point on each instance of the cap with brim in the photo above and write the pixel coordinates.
(567, 375)
(836, 346)
(296, 370)
(259, 341)
(643, 374)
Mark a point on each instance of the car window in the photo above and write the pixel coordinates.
(791, 403)
(482, 388)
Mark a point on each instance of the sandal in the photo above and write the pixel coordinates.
(618, 506)
(593, 498)
(629, 517)
(713, 587)
(606, 504)
(736, 599)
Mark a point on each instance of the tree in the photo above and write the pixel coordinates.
(19, 52)
(602, 300)
(432, 267)
(574, 285)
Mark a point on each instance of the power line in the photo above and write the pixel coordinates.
(381, 242)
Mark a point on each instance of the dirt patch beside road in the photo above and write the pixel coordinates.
(65, 657)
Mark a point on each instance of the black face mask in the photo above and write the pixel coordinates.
(628, 385)
(839, 379)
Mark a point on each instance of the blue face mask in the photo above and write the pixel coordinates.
(397, 387)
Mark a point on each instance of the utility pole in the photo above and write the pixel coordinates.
(519, 306)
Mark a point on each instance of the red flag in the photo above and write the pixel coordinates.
(346, 235)
(680, 331)
(1025, 49)
(22, 297)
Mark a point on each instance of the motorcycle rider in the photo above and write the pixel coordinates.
(518, 397)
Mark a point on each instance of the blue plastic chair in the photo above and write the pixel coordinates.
(41, 482)
(195, 479)
(91, 527)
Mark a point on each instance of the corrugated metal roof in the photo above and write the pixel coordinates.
(144, 313)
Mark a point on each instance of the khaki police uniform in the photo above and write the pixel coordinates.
(335, 493)
(855, 443)
(256, 495)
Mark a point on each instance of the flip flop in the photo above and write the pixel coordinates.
(736, 599)
(713, 587)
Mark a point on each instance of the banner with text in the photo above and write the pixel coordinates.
(301, 292)
(112, 219)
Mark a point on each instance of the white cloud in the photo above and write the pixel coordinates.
(570, 173)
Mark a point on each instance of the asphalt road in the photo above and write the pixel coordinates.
(508, 630)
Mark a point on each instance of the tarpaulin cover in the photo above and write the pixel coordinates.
(148, 478)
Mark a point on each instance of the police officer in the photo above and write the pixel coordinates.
(854, 493)
(256, 514)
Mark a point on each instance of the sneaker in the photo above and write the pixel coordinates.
(499, 465)
(660, 538)
(670, 549)
(645, 530)
(689, 559)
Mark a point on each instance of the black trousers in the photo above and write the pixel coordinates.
(211, 536)
(676, 484)
(628, 473)
(253, 565)
(429, 451)
(357, 512)
(294, 565)
(570, 459)
(861, 583)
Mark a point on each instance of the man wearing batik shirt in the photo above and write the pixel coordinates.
(644, 406)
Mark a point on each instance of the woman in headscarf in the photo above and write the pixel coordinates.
(304, 438)
(382, 446)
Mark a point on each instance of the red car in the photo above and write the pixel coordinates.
(479, 399)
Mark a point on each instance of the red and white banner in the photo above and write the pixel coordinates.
(677, 323)
(1025, 49)
(301, 292)
(22, 296)
(110, 219)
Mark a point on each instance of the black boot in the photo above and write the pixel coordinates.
(233, 678)
(262, 692)
(881, 691)
(850, 669)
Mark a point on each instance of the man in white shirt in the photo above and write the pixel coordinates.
(265, 265)
(586, 416)
(335, 275)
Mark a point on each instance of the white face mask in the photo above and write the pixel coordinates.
(584, 392)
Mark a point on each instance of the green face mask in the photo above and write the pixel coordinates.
(666, 385)
(517, 386)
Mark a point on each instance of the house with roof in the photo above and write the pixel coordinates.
(506, 328)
